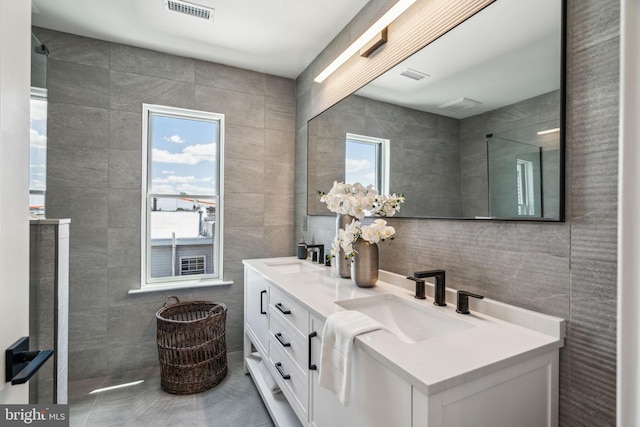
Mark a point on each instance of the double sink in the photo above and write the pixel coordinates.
(410, 321)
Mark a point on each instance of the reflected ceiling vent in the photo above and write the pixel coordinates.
(413, 74)
(459, 104)
(189, 9)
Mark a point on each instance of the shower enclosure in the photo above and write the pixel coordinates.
(523, 172)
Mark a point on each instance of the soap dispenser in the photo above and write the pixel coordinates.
(302, 249)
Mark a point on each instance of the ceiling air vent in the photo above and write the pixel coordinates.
(459, 104)
(189, 9)
(413, 74)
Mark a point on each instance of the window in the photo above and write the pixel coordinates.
(38, 152)
(182, 198)
(367, 161)
(524, 181)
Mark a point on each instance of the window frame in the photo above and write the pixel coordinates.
(383, 156)
(179, 281)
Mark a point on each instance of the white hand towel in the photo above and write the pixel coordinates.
(337, 342)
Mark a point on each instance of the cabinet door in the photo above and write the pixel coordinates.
(378, 396)
(256, 295)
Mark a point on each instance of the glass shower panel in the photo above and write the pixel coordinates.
(515, 178)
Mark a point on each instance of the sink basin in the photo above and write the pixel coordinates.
(409, 320)
(293, 267)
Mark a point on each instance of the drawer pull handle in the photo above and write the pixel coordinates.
(280, 307)
(282, 341)
(281, 372)
(312, 366)
(262, 311)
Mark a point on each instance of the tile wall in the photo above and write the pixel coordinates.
(96, 91)
(564, 269)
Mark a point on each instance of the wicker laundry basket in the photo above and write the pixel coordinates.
(191, 345)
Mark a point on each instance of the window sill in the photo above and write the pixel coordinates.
(180, 286)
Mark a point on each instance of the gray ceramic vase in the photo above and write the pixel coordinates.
(365, 264)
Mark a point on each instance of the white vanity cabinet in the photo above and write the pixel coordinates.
(288, 327)
(498, 367)
(378, 396)
(523, 395)
(256, 301)
(288, 338)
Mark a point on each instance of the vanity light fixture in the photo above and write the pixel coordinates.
(376, 29)
(545, 132)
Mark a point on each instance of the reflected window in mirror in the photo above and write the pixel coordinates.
(526, 187)
(367, 161)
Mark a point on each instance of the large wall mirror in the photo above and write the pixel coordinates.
(471, 126)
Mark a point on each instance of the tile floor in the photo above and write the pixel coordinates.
(233, 403)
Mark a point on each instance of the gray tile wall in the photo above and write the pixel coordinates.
(424, 152)
(563, 269)
(96, 91)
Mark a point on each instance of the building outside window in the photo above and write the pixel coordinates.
(182, 197)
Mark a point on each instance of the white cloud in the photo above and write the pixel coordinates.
(182, 184)
(191, 155)
(193, 189)
(173, 179)
(168, 172)
(176, 139)
(37, 140)
(352, 165)
(163, 188)
(37, 184)
(38, 110)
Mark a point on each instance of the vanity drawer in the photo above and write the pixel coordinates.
(296, 383)
(290, 341)
(287, 309)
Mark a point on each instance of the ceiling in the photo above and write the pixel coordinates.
(508, 52)
(279, 37)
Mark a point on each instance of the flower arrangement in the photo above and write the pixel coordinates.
(357, 200)
(378, 231)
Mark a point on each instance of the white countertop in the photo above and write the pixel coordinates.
(503, 335)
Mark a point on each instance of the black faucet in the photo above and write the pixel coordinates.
(419, 287)
(317, 253)
(439, 292)
(462, 305)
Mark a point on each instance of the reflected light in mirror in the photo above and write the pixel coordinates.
(386, 19)
(548, 131)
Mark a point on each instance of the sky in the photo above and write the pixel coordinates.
(360, 164)
(184, 155)
(38, 151)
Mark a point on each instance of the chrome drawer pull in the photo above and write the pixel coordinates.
(281, 372)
